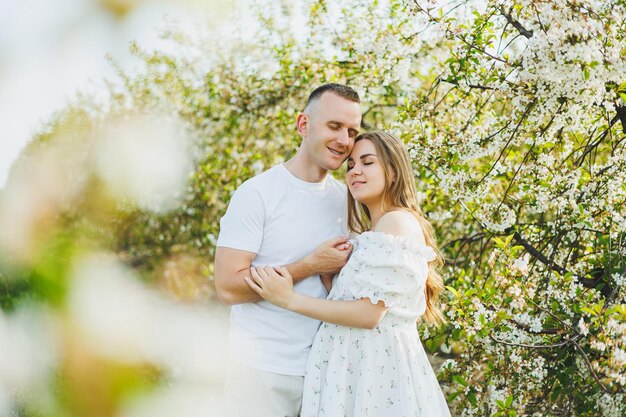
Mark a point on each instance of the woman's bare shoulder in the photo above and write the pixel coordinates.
(400, 223)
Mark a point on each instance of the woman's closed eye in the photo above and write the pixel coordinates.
(351, 165)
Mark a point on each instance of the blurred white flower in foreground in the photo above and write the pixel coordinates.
(123, 320)
(145, 159)
(184, 400)
(28, 353)
(111, 309)
(47, 178)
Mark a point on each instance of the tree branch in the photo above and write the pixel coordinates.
(597, 273)
(524, 345)
(618, 116)
(589, 366)
(517, 25)
(477, 86)
(526, 112)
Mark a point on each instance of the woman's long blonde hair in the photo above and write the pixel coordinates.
(400, 192)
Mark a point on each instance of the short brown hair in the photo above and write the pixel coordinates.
(339, 89)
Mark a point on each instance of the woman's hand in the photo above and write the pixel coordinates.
(273, 284)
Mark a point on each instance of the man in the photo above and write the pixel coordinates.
(290, 215)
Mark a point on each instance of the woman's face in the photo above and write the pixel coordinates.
(365, 176)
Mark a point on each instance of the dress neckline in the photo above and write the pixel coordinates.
(394, 239)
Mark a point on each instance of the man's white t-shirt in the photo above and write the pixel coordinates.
(280, 218)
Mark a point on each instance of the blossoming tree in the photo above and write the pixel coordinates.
(522, 126)
(514, 112)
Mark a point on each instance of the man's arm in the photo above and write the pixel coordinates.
(232, 265)
(327, 259)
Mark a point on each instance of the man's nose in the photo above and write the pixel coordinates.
(343, 137)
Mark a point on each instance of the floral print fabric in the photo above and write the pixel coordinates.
(382, 372)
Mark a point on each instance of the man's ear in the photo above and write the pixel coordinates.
(302, 124)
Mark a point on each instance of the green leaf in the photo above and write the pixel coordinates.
(499, 242)
(588, 310)
(555, 393)
(452, 396)
(453, 291)
(459, 380)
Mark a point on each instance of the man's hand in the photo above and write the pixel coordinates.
(327, 281)
(329, 257)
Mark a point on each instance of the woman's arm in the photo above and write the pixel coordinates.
(358, 313)
(276, 286)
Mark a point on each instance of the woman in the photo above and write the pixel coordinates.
(367, 359)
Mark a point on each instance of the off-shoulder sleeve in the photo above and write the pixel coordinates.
(393, 270)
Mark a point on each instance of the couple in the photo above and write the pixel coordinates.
(366, 358)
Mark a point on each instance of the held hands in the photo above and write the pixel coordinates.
(276, 284)
(273, 284)
(329, 257)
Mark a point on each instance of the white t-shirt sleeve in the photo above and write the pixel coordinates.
(242, 225)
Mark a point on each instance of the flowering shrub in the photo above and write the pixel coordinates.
(521, 125)
(514, 112)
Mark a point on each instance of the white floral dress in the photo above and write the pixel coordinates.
(382, 372)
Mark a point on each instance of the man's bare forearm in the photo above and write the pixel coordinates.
(301, 269)
(232, 266)
(328, 258)
(234, 289)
